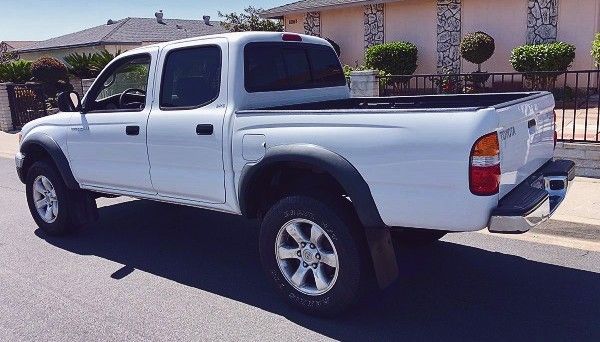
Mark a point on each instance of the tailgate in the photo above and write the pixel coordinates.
(526, 136)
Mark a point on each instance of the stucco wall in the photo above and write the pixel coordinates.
(504, 20)
(294, 22)
(577, 24)
(345, 27)
(414, 21)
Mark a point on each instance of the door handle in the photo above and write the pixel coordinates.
(132, 130)
(204, 129)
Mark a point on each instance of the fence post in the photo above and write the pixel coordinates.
(364, 83)
(6, 123)
(86, 84)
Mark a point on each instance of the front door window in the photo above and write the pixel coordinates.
(122, 87)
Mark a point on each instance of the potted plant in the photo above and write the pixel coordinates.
(477, 47)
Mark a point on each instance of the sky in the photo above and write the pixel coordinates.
(43, 19)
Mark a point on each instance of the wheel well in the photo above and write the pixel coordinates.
(284, 178)
(35, 153)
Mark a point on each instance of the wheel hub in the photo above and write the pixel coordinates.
(306, 257)
(45, 199)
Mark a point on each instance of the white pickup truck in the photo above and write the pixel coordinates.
(262, 125)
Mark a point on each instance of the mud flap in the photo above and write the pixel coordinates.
(382, 255)
(84, 206)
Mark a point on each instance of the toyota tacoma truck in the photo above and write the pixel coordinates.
(262, 125)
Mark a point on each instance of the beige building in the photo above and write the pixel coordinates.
(436, 27)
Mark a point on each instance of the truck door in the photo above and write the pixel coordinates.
(185, 128)
(107, 143)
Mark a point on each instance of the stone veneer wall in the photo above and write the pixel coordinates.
(585, 156)
(374, 24)
(448, 35)
(542, 21)
(312, 24)
(6, 123)
(86, 84)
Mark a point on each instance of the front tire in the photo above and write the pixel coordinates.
(313, 254)
(49, 199)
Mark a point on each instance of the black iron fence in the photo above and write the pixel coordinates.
(576, 93)
(27, 102)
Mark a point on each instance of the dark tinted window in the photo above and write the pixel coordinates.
(286, 66)
(191, 77)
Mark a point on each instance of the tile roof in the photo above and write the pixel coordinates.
(306, 5)
(130, 31)
(18, 44)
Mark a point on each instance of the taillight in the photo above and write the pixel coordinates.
(484, 168)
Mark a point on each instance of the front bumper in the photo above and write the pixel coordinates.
(533, 201)
(19, 159)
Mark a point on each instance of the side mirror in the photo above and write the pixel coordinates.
(69, 102)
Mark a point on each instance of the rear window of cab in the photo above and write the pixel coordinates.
(289, 66)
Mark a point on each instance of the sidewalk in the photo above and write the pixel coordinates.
(577, 217)
(9, 144)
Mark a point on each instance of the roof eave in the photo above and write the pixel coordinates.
(52, 48)
(278, 14)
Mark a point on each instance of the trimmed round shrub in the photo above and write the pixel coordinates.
(335, 45)
(556, 56)
(596, 49)
(477, 47)
(395, 58)
(49, 70)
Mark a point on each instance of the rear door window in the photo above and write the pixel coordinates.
(191, 77)
(287, 66)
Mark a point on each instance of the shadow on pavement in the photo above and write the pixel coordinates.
(447, 292)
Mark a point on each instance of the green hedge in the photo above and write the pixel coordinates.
(556, 56)
(596, 49)
(395, 58)
(16, 72)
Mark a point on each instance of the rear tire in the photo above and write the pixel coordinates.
(313, 253)
(49, 199)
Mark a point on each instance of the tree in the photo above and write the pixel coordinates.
(249, 20)
(477, 47)
(5, 55)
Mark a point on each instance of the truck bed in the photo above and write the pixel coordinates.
(423, 102)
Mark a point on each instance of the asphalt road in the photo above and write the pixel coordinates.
(149, 271)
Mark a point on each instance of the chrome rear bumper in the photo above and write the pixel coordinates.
(533, 201)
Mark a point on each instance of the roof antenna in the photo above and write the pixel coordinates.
(159, 17)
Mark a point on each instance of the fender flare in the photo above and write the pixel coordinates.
(55, 152)
(334, 164)
(377, 233)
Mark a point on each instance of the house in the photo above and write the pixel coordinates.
(12, 45)
(121, 35)
(436, 27)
